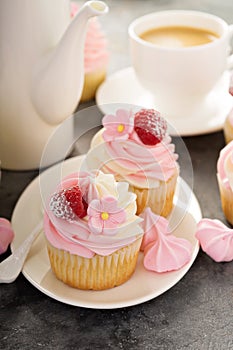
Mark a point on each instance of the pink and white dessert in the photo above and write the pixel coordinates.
(228, 124)
(136, 148)
(228, 127)
(216, 239)
(96, 56)
(6, 234)
(92, 232)
(163, 251)
(225, 180)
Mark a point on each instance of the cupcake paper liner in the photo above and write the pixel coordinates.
(92, 81)
(159, 199)
(227, 201)
(97, 273)
(228, 131)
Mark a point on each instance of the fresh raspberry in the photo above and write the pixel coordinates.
(68, 203)
(150, 126)
(74, 197)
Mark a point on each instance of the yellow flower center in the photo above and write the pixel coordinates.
(104, 215)
(120, 127)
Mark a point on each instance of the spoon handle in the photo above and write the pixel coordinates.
(12, 266)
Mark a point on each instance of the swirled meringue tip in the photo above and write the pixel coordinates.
(216, 239)
(163, 251)
(6, 234)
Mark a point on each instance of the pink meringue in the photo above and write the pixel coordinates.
(162, 251)
(6, 234)
(216, 239)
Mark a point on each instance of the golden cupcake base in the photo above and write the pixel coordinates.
(226, 195)
(97, 273)
(228, 131)
(92, 81)
(159, 199)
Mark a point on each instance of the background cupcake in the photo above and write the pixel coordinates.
(228, 127)
(93, 235)
(225, 180)
(96, 56)
(228, 124)
(136, 148)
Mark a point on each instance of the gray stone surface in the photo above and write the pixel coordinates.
(194, 314)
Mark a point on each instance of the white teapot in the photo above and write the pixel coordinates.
(41, 76)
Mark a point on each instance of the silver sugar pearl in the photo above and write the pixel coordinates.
(60, 207)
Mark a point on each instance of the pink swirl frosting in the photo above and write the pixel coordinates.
(6, 234)
(225, 166)
(216, 239)
(124, 153)
(86, 236)
(162, 251)
(95, 49)
(137, 162)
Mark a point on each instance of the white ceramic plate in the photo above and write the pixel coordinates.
(142, 286)
(123, 87)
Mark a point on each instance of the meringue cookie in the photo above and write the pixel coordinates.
(162, 251)
(6, 234)
(216, 239)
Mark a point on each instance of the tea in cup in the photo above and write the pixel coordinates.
(178, 36)
(179, 56)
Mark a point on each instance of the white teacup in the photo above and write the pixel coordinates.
(180, 78)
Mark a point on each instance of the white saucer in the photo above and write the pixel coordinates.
(142, 286)
(123, 87)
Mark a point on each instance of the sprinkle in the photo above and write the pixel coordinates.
(60, 207)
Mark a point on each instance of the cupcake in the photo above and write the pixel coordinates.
(228, 124)
(93, 235)
(95, 57)
(136, 148)
(228, 127)
(225, 180)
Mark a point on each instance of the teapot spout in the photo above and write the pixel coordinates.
(59, 76)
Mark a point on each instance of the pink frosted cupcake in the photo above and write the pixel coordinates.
(93, 235)
(136, 148)
(225, 180)
(96, 57)
(228, 124)
(228, 127)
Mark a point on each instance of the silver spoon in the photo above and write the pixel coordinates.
(11, 267)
